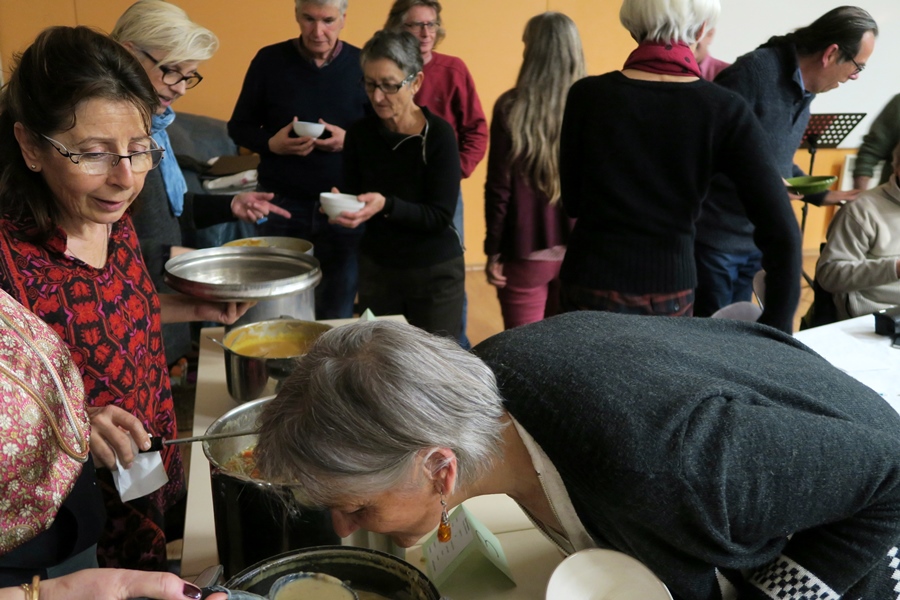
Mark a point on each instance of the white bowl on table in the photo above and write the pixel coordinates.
(600, 574)
(335, 204)
(307, 129)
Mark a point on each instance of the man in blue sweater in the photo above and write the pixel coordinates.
(779, 80)
(316, 78)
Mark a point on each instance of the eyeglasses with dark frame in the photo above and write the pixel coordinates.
(387, 88)
(101, 163)
(420, 25)
(173, 77)
(859, 68)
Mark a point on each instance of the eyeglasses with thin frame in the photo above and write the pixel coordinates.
(387, 88)
(859, 68)
(420, 25)
(173, 77)
(101, 163)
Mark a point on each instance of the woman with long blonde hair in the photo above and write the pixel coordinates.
(527, 228)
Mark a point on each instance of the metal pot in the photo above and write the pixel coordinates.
(253, 519)
(300, 305)
(248, 375)
(365, 570)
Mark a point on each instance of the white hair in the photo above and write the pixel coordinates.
(341, 5)
(164, 27)
(668, 20)
(367, 402)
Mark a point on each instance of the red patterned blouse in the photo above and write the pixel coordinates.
(110, 320)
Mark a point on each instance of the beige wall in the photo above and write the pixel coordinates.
(486, 34)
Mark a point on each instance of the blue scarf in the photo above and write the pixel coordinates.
(176, 186)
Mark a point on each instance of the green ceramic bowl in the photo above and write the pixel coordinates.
(810, 184)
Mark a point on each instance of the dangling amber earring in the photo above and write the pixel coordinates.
(443, 532)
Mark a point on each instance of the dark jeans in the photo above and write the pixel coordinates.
(723, 278)
(335, 247)
(430, 298)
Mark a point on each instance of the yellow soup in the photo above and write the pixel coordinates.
(271, 347)
(314, 588)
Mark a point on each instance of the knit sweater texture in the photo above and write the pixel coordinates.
(879, 143)
(859, 261)
(449, 92)
(636, 161)
(769, 80)
(281, 84)
(419, 177)
(699, 446)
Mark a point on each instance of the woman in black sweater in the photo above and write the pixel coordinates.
(638, 149)
(404, 165)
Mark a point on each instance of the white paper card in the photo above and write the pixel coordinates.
(471, 547)
(146, 474)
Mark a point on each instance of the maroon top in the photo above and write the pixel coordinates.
(110, 320)
(520, 219)
(449, 92)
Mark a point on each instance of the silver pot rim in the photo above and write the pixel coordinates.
(198, 273)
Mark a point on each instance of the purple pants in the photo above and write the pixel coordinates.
(531, 292)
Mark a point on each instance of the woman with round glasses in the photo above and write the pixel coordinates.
(75, 148)
(448, 91)
(404, 165)
(171, 48)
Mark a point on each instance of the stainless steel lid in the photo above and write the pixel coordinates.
(239, 273)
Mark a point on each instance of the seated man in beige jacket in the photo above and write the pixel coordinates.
(860, 263)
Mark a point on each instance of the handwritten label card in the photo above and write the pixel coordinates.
(471, 548)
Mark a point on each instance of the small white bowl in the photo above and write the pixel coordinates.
(307, 129)
(607, 574)
(335, 204)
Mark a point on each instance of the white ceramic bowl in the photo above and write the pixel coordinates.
(335, 204)
(307, 129)
(599, 574)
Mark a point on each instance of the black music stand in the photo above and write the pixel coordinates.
(824, 131)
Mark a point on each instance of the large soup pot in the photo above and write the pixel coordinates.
(279, 280)
(258, 351)
(300, 305)
(253, 518)
(364, 570)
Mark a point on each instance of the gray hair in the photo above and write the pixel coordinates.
(399, 10)
(164, 27)
(366, 401)
(341, 5)
(668, 20)
(401, 47)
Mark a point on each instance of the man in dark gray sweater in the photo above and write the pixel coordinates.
(779, 80)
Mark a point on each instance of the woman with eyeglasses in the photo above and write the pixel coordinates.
(75, 148)
(403, 164)
(171, 48)
(448, 90)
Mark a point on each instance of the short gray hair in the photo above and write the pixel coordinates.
(401, 47)
(367, 399)
(341, 5)
(164, 27)
(668, 20)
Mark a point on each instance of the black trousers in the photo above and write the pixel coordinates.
(430, 298)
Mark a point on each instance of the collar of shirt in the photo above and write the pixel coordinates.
(307, 55)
